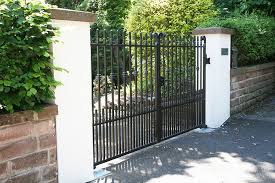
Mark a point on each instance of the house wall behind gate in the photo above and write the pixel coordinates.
(250, 85)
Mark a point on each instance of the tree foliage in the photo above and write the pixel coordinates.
(26, 78)
(111, 13)
(172, 16)
(263, 7)
(72, 4)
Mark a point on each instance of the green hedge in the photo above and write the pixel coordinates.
(254, 37)
(26, 79)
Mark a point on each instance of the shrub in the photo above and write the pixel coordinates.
(169, 16)
(26, 78)
(254, 37)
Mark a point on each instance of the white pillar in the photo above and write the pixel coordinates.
(218, 49)
(74, 122)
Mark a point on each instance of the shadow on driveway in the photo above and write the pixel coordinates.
(242, 151)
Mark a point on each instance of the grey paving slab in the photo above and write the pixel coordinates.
(241, 151)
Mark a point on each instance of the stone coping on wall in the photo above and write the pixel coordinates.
(243, 70)
(72, 15)
(212, 30)
(47, 112)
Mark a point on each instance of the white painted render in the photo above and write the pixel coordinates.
(217, 80)
(74, 121)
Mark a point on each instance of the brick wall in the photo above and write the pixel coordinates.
(28, 147)
(250, 85)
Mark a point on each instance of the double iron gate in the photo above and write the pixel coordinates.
(146, 88)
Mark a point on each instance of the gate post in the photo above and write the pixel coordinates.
(218, 49)
(74, 122)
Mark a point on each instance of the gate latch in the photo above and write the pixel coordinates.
(162, 81)
(208, 61)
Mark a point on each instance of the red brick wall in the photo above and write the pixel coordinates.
(250, 85)
(28, 146)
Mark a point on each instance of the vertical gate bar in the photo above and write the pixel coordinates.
(110, 131)
(126, 122)
(118, 107)
(174, 71)
(200, 72)
(175, 83)
(112, 90)
(96, 135)
(103, 134)
(141, 129)
(146, 86)
(167, 98)
(139, 125)
(204, 76)
(131, 97)
(152, 87)
(117, 121)
(192, 81)
(193, 122)
(164, 122)
(136, 101)
(195, 82)
(178, 83)
(93, 112)
(201, 75)
(158, 90)
(105, 75)
(189, 82)
(180, 75)
(172, 85)
(170, 88)
(98, 94)
(197, 78)
(184, 81)
(201, 80)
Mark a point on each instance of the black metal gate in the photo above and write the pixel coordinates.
(146, 88)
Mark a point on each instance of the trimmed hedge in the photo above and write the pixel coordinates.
(254, 37)
(26, 78)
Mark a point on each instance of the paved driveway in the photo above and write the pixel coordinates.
(242, 151)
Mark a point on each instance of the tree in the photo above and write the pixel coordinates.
(72, 4)
(111, 13)
(172, 16)
(263, 7)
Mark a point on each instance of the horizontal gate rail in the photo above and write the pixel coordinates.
(147, 87)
